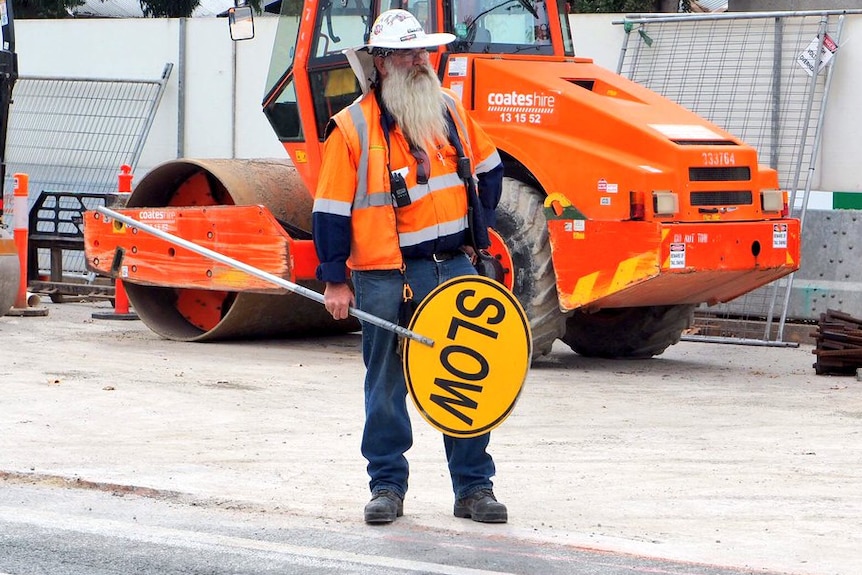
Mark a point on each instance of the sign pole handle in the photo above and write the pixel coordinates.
(266, 276)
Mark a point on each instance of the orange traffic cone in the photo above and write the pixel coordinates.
(121, 309)
(22, 306)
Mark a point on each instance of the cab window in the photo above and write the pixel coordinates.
(501, 26)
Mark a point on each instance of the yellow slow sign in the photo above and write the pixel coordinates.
(468, 382)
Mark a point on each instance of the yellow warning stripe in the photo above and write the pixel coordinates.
(624, 274)
(628, 271)
(584, 288)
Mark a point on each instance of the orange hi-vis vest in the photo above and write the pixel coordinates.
(354, 183)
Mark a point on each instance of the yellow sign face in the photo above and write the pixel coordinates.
(468, 382)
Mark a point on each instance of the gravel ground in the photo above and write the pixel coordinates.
(723, 454)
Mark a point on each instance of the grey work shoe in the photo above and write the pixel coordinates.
(482, 506)
(384, 507)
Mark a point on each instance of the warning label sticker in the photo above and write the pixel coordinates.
(779, 236)
(677, 256)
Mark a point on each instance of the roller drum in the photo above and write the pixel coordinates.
(177, 313)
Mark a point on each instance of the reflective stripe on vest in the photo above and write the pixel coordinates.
(359, 123)
(462, 129)
(372, 208)
(363, 199)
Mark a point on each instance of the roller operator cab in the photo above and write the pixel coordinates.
(621, 211)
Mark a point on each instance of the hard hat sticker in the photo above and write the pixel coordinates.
(468, 382)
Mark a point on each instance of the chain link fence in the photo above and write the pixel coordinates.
(753, 75)
(71, 136)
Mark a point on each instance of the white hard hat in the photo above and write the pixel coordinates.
(393, 30)
(400, 30)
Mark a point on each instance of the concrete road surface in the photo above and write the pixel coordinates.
(723, 455)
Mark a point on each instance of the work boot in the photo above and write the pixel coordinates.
(482, 506)
(384, 507)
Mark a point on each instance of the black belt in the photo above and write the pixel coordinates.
(438, 257)
(444, 256)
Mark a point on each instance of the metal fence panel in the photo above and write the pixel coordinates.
(73, 135)
(751, 74)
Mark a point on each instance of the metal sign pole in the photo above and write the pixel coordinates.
(266, 276)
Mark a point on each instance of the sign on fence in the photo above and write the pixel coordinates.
(809, 56)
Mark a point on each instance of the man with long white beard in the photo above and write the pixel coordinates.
(401, 167)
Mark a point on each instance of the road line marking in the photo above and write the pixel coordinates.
(201, 540)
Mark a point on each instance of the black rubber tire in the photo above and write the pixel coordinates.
(521, 222)
(627, 333)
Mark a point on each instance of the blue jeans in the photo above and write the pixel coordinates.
(388, 434)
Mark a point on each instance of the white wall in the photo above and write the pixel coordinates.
(126, 49)
(841, 151)
(223, 82)
(205, 67)
(597, 38)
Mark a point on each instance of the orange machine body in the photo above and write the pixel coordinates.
(605, 145)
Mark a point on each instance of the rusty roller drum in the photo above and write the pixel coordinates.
(174, 313)
(10, 271)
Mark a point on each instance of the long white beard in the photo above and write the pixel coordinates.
(413, 97)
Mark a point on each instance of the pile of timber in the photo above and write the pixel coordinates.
(838, 344)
